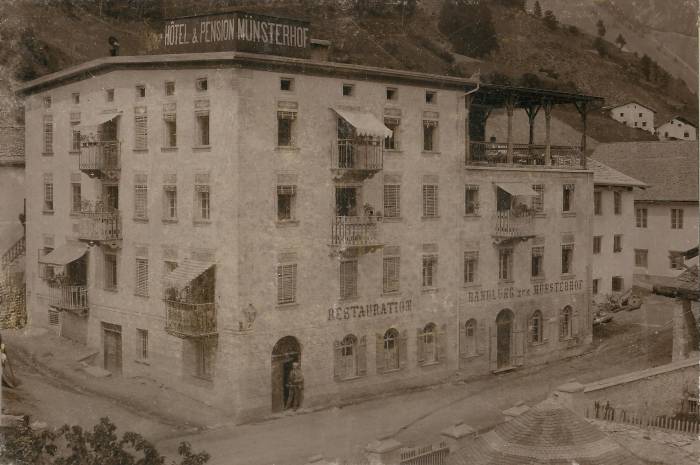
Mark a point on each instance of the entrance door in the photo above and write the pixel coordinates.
(111, 196)
(284, 354)
(112, 337)
(503, 200)
(504, 331)
(346, 201)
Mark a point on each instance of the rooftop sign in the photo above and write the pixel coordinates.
(235, 31)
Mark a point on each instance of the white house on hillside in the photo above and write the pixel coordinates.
(677, 128)
(635, 115)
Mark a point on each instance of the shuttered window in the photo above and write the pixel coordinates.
(76, 200)
(430, 200)
(141, 277)
(54, 317)
(471, 199)
(287, 284)
(203, 205)
(285, 128)
(535, 327)
(170, 137)
(617, 202)
(48, 134)
(202, 123)
(676, 218)
(567, 197)
(286, 200)
(567, 258)
(348, 279)
(430, 264)
(597, 244)
(391, 274)
(470, 341)
(75, 136)
(641, 217)
(48, 193)
(142, 347)
(110, 271)
(505, 264)
(471, 263)
(392, 200)
(597, 202)
(141, 131)
(565, 323)
(170, 202)
(641, 258)
(537, 262)
(430, 129)
(538, 201)
(141, 201)
(617, 243)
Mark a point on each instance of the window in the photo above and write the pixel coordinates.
(535, 327)
(567, 198)
(47, 102)
(505, 264)
(170, 206)
(141, 277)
(54, 317)
(141, 201)
(169, 266)
(617, 284)
(348, 90)
(48, 134)
(430, 200)
(391, 275)
(285, 128)
(347, 358)
(348, 279)
(676, 218)
(686, 134)
(640, 115)
(538, 202)
(565, 323)
(202, 118)
(286, 284)
(617, 243)
(471, 199)
(286, 203)
(109, 95)
(471, 266)
(617, 202)
(141, 131)
(537, 262)
(677, 260)
(641, 217)
(596, 285)
(391, 350)
(75, 98)
(201, 84)
(392, 201)
(430, 135)
(597, 242)
(641, 258)
(392, 93)
(110, 272)
(205, 351)
(169, 88)
(598, 202)
(470, 347)
(430, 97)
(430, 263)
(140, 91)
(48, 193)
(427, 345)
(75, 136)
(622, 114)
(287, 84)
(76, 201)
(202, 210)
(392, 142)
(142, 344)
(567, 258)
(170, 122)
(46, 272)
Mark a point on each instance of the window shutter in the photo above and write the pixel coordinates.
(337, 356)
(482, 337)
(575, 323)
(380, 353)
(554, 328)
(493, 348)
(141, 131)
(362, 356)
(403, 349)
(518, 342)
(463, 339)
(419, 345)
(442, 343)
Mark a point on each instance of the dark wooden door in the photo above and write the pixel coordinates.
(346, 201)
(504, 330)
(112, 337)
(111, 196)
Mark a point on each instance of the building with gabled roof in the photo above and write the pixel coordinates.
(634, 115)
(677, 128)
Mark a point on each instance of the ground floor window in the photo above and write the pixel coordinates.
(470, 338)
(617, 284)
(565, 323)
(536, 327)
(427, 344)
(350, 357)
(391, 350)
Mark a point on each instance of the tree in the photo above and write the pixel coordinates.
(600, 47)
(645, 64)
(620, 41)
(537, 9)
(601, 28)
(468, 26)
(550, 20)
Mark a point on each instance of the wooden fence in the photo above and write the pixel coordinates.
(663, 422)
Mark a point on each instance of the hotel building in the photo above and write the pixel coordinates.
(208, 217)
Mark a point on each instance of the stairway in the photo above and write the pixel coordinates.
(15, 251)
(13, 312)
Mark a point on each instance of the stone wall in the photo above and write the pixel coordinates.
(13, 313)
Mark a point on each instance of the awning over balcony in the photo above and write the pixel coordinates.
(365, 124)
(90, 127)
(64, 254)
(518, 189)
(186, 272)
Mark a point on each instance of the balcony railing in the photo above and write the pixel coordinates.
(73, 298)
(510, 225)
(98, 158)
(190, 320)
(496, 154)
(355, 231)
(357, 155)
(100, 226)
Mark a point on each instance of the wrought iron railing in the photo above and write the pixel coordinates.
(100, 156)
(355, 231)
(100, 226)
(426, 455)
(184, 319)
(17, 249)
(357, 154)
(513, 224)
(496, 153)
(68, 297)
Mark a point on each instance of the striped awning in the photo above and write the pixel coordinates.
(90, 127)
(518, 188)
(365, 124)
(64, 254)
(186, 272)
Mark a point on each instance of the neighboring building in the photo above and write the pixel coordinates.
(678, 128)
(666, 213)
(613, 230)
(208, 219)
(634, 115)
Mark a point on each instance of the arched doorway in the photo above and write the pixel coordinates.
(504, 331)
(284, 354)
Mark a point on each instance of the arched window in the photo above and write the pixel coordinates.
(565, 322)
(348, 357)
(391, 349)
(536, 329)
(470, 337)
(427, 344)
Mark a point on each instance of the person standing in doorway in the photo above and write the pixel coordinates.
(295, 387)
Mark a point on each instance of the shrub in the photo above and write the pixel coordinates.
(600, 47)
(550, 20)
(574, 30)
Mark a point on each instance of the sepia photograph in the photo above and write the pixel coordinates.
(349, 232)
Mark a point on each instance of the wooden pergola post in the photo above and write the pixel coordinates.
(510, 106)
(582, 108)
(548, 132)
(467, 136)
(532, 111)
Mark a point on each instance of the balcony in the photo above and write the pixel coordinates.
(524, 155)
(188, 320)
(100, 227)
(71, 298)
(357, 158)
(101, 159)
(356, 233)
(510, 225)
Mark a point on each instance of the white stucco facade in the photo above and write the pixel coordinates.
(677, 129)
(634, 115)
